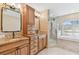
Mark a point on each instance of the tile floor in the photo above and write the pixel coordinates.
(54, 50)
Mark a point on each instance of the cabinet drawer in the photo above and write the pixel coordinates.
(24, 45)
(33, 46)
(34, 51)
(9, 52)
(12, 45)
(34, 42)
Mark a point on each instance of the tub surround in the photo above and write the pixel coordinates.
(70, 38)
(71, 44)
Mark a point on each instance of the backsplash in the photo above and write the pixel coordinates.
(18, 34)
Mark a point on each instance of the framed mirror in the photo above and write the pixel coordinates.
(10, 20)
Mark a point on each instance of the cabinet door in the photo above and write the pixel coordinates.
(9, 52)
(44, 42)
(24, 16)
(34, 51)
(40, 44)
(23, 50)
(31, 16)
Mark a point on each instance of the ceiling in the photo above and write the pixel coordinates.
(56, 9)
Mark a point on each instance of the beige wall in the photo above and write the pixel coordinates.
(44, 21)
(37, 23)
(74, 16)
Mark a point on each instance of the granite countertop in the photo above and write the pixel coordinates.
(40, 35)
(6, 41)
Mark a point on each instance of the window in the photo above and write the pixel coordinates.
(70, 27)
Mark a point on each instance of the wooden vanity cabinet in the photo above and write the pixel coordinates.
(22, 50)
(15, 47)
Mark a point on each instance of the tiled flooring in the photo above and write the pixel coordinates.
(51, 43)
(56, 51)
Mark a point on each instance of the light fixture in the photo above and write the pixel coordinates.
(16, 5)
(11, 4)
(37, 14)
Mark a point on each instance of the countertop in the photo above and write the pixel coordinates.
(40, 35)
(6, 41)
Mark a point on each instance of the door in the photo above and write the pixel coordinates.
(31, 16)
(44, 42)
(23, 50)
(40, 44)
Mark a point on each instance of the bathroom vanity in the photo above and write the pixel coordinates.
(18, 46)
